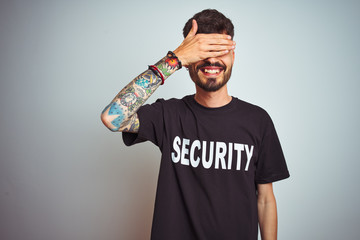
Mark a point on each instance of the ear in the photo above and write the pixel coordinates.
(233, 56)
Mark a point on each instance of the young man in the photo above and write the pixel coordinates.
(220, 155)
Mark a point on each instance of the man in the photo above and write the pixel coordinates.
(220, 155)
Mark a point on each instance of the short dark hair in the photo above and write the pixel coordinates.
(210, 21)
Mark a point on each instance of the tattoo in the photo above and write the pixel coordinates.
(106, 108)
(147, 80)
(132, 124)
(128, 99)
(115, 109)
(133, 96)
(117, 122)
(172, 62)
(167, 66)
(142, 83)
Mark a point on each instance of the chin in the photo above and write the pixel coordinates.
(211, 85)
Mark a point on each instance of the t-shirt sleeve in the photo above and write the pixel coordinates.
(151, 125)
(271, 165)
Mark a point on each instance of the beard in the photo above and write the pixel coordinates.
(211, 84)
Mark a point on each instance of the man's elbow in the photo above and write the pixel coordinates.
(265, 194)
(107, 121)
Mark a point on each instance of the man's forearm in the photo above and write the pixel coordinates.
(267, 219)
(120, 114)
(267, 211)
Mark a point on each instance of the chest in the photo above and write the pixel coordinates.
(216, 141)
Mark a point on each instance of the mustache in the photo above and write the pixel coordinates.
(208, 64)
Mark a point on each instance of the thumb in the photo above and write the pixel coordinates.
(193, 29)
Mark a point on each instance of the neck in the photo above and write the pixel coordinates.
(215, 99)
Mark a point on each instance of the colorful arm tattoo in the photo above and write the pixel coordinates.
(120, 114)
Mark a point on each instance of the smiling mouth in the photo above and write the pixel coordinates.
(211, 71)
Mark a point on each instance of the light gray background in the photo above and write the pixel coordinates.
(64, 176)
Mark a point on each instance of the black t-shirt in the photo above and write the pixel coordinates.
(212, 159)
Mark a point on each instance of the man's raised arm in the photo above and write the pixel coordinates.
(120, 115)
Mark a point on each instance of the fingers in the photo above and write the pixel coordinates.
(215, 35)
(196, 47)
(216, 44)
(214, 39)
(218, 48)
(216, 54)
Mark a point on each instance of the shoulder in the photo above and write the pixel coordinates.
(164, 105)
(172, 102)
(249, 108)
(255, 116)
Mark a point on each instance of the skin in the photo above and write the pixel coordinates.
(211, 91)
(120, 115)
(211, 49)
(193, 50)
(267, 212)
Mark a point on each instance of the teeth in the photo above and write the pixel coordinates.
(212, 71)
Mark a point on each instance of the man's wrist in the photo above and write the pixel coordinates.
(158, 73)
(174, 59)
(179, 57)
(168, 65)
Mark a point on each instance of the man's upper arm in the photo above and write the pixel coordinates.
(265, 192)
(132, 125)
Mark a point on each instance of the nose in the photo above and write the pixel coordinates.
(211, 60)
